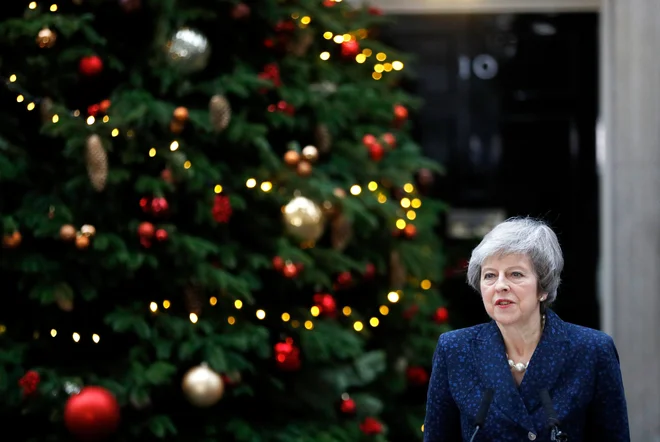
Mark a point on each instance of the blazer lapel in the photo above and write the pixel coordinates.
(490, 359)
(547, 362)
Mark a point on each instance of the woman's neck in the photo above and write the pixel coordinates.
(521, 340)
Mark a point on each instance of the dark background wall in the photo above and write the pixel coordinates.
(510, 111)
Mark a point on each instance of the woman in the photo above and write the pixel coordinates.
(525, 353)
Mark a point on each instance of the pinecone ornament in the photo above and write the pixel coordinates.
(397, 271)
(46, 110)
(96, 160)
(220, 112)
(193, 300)
(300, 44)
(323, 138)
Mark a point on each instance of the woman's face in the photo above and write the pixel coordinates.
(509, 289)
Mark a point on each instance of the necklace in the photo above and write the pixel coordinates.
(521, 367)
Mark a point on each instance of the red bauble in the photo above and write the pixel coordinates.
(400, 114)
(93, 110)
(326, 304)
(159, 206)
(240, 11)
(278, 263)
(368, 140)
(410, 230)
(287, 355)
(91, 65)
(347, 406)
(29, 383)
(290, 270)
(221, 210)
(344, 278)
(371, 426)
(389, 140)
(441, 315)
(92, 414)
(417, 376)
(376, 152)
(369, 271)
(146, 230)
(161, 235)
(350, 48)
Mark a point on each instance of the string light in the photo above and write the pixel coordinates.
(96, 338)
(32, 5)
(153, 307)
(53, 8)
(30, 106)
(425, 284)
(20, 99)
(106, 118)
(55, 118)
(384, 310)
(373, 186)
(250, 183)
(261, 314)
(115, 132)
(400, 224)
(53, 333)
(411, 215)
(374, 322)
(152, 152)
(217, 188)
(90, 120)
(231, 320)
(327, 35)
(174, 145)
(408, 188)
(213, 300)
(358, 326)
(393, 297)
(416, 203)
(355, 189)
(376, 75)
(325, 55)
(76, 337)
(266, 186)
(193, 318)
(309, 325)
(238, 304)
(405, 203)
(166, 304)
(286, 317)
(382, 198)
(346, 311)
(187, 164)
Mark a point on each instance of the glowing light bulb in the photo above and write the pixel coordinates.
(174, 145)
(376, 75)
(153, 306)
(411, 215)
(217, 188)
(115, 132)
(266, 186)
(409, 188)
(393, 297)
(360, 58)
(309, 325)
(166, 304)
(187, 165)
(338, 39)
(193, 318)
(373, 186)
(405, 203)
(250, 183)
(261, 314)
(30, 106)
(53, 8)
(152, 152)
(397, 65)
(76, 337)
(286, 317)
(358, 326)
(416, 203)
(213, 300)
(425, 285)
(20, 99)
(32, 5)
(381, 56)
(355, 189)
(12, 77)
(53, 332)
(374, 322)
(400, 224)
(327, 35)
(238, 304)
(105, 118)
(96, 338)
(346, 311)
(90, 120)
(315, 311)
(56, 118)
(324, 55)
(231, 320)
(384, 310)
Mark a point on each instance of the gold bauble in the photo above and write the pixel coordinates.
(202, 386)
(291, 158)
(88, 230)
(310, 153)
(303, 219)
(82, 242)
(46, 38)
(304, 168)
(67, 232)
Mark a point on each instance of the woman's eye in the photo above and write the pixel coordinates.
(488, 275)
(516, 274)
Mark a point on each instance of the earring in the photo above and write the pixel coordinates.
(542, 298)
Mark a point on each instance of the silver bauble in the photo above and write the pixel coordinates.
(303, 219)
(202, 386)
(188, 50)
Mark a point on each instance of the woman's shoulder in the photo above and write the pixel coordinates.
(587, 338)
(462, 335)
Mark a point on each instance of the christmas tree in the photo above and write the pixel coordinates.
(214, 225)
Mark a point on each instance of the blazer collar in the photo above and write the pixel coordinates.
(547, 362)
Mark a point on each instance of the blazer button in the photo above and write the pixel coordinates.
(531, 436)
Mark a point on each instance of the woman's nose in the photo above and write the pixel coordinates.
(501, 285)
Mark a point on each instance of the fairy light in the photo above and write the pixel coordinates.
(400, 224)
(315, 311)
(166, 304)
(187, 164)
(55, 118)
(53, 333)
(193, 318)
(378, 68)
(152, 152)
(53, 8)
(35, 335)
(374, 322)
(346, 311)
(306, 20)
(416, 203)
(12, 78)
(367, 52)
(360, 58)
(76, 113)
(408, 188)
(3, 328)
(96, 338)
(213, 300)
(411, 215)
(339, 39)
(397, 65)
(261, 314)
(387, 67)
(238, 304)
(376, 75)
(328, 35)
(382, 198)
(425, 285)
(381, 56)
(348, 37)
(115, 132)
(373, 186)
(295, 323)
(90, 120)
(106, 118)
(217, 188)
(358, 326)
(324, 55)
(309, 325)
(231, 320)
(266, 186)
(356, 189)
(250, 183)
(30, 106)
(286, 317)
(20, 99)
(384, 310)
(153, 307)
(76, 337)
(174, 145)
(393, 297)
(32, 5)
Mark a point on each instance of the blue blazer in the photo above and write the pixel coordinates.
(577, 365)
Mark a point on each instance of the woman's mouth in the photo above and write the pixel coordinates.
(501, 303)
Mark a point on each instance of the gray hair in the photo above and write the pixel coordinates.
(526, 236)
